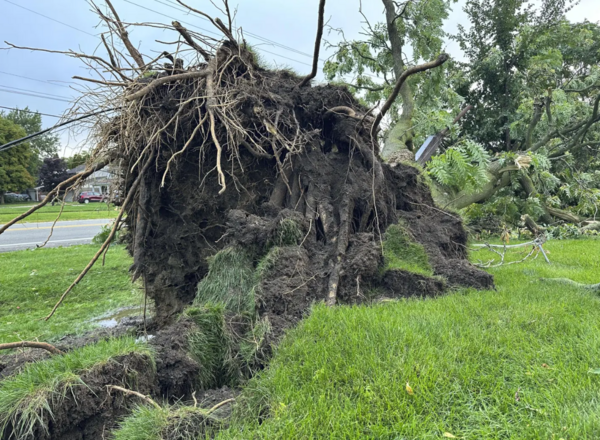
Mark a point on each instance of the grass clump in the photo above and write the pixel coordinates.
(400, 251)
(209, 344)
(517, 363)
(287, 233)
(229, 337)
(31, 282)
(229, 281)
(166, 422)
(26, 399)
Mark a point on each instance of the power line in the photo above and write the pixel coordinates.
(253, 35)
(47, 82)
(172, 5)
(29, 111)
(207, 30)
(34, 95)
(35, 91)
(50, 18)
(16, 142)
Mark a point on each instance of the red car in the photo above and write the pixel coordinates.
(89, 196)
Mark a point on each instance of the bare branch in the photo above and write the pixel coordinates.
(188, 38)
(315, 65)
(97, 81)
(216, 22)
(135, 54)
(76, 178)
(113, 61)
(105, 245)
(408, 72)
(134, 393)
(166, 79)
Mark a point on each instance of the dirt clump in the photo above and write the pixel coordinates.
(90, 410)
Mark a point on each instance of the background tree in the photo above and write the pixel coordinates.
(41, 146)
(77, 159)
(533, 79)
(412, 32)
(14, 175)
(52, 172)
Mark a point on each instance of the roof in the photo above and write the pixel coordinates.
(77, 169)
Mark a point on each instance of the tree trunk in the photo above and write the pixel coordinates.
(400, 136)
(497, 180)
(2, 198)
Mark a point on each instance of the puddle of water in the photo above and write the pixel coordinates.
(114, 318)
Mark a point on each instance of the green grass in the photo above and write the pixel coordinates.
(26, 396)
(71, 211)
(516, 363)
(31, 282)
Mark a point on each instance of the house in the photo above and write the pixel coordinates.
(101, 181)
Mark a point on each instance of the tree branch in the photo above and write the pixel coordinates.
(315, 65)
(135, 54)
(74, 179)
(188, 38)
(165, 79)
(107, 242)
(408, 72)
(537, 115)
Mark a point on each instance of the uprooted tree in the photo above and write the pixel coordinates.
(219, 154)
(249, 194)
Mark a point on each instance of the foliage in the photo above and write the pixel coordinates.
(45, 145)
(42, 146)
(30, 395)
(401, 251)
(102, 236)
(52, 172)
(77, 159)
(482, 365)
(376, 61)
(14, 175)
(568, 232)
(462, 167)
(31, 282)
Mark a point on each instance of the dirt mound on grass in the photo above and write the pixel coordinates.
(89, 409)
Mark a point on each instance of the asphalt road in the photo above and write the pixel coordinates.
(67, 233)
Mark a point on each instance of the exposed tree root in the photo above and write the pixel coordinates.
(31, 344)
(145, 398)
(567, 281)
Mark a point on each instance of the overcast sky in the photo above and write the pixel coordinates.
(42, 81)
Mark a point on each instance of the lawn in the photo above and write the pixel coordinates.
(32, 281)
(516, 363)
(71, 211)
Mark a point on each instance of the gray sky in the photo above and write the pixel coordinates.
(289, 24)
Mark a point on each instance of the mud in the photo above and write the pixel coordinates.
(90, 410)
